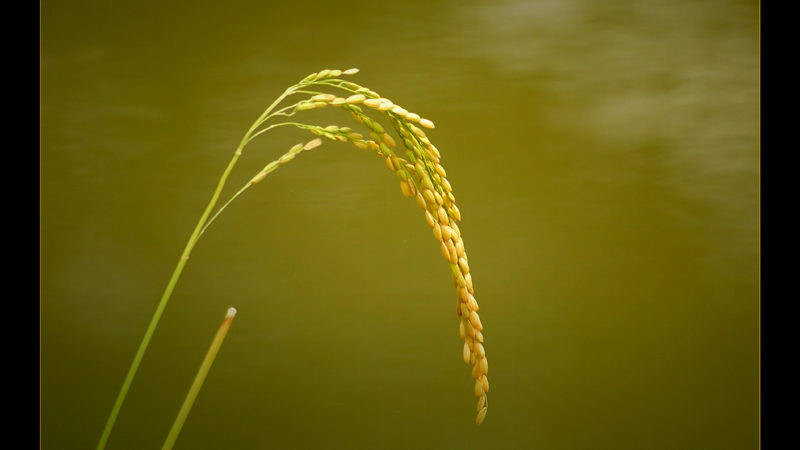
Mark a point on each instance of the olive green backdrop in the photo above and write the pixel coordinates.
(604, 156)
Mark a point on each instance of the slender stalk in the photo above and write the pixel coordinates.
(177, 273)
(163, 303)
(198, 380)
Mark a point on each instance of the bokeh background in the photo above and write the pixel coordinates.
(604, 156)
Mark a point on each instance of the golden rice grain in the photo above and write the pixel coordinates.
(426, 181)
(426, 123)
(372, 124)
(323, 97)
(437, 232)
(481, 416)
(442, 215)
(355, 99)
(388, 140)
(455, 212)
(459, 278)
(460, 247)
(314, 143)
(468, 280)
(480, 351)
(385, 105)
(429, 218)
(454, 269)
(429, 197)
(475, 320)
(440, 170)
(411, 187)
(451, 248)
(418, 132)
(399, 110)
(471, 303)
(447, 233)
(462, 262)
(455, 228)
(404, 189)
(419, 168)
(421, 201)
(478, 388)
(351, 86)
(481, 402)
(439, 198)
(445, 251)
(465, 312)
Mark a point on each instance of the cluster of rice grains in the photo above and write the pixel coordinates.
(421, 176)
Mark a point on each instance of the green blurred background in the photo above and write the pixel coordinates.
(604, 156)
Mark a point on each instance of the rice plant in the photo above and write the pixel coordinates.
(409, 154)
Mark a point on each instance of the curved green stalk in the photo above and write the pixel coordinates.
(163, 303)
(177, 273)
(222, 208)
(250, 183)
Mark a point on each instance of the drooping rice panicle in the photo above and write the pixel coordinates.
(421, 176)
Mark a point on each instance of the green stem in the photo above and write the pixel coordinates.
(198, 380)
(177, 273)
(247, 186)
(222, 208)
(163, 303)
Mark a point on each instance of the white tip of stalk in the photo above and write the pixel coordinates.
(231, 313)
